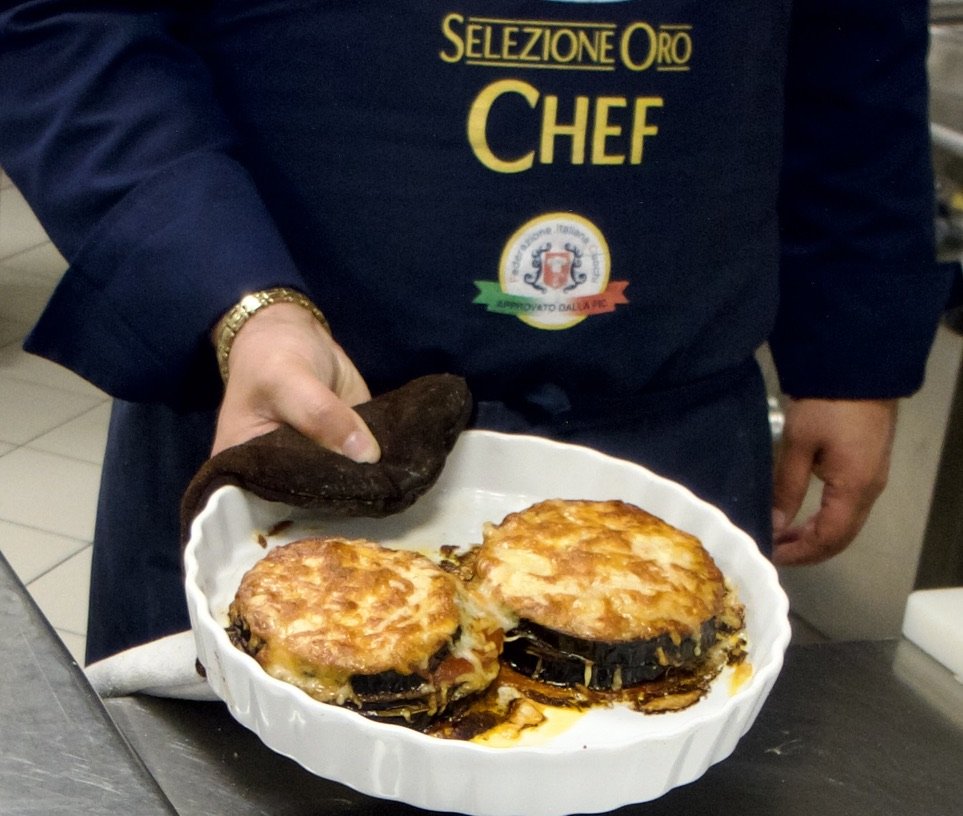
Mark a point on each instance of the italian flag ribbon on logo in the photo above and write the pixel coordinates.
(491, 295)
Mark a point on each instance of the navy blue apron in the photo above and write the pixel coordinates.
(570, 204)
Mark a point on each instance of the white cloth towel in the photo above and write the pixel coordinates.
(162, 668)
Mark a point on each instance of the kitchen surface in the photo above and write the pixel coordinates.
(868, 727)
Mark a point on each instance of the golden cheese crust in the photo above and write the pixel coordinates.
(348, 604)
(320, 611)
(600, 570)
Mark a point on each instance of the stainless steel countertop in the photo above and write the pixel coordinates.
(862, 728)
(59, 750)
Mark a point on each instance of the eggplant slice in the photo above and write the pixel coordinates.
(389, 696)
(386, 633)
(560, 659)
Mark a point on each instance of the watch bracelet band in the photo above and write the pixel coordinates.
(249, 305)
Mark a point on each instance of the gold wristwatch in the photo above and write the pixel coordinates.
(249, 305)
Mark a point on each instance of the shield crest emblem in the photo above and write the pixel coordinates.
(556, 268)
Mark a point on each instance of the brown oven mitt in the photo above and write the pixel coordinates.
(416, 425)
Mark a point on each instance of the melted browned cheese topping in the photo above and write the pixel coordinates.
(600, 570)
(319, 611)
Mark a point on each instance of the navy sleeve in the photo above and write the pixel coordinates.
(861, 293)
(110, 128)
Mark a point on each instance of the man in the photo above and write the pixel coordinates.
(594, 212)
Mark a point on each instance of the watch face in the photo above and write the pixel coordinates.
(251, 303)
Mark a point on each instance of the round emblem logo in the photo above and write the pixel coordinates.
(553, 273)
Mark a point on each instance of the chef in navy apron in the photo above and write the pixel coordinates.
(596, 212)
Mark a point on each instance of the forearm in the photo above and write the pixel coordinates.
(112, 131)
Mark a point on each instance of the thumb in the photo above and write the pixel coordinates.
(793, 470)
(322, 416)
(307, 405)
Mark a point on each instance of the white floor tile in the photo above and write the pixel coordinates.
(19, 228)
(76, 644)
(28, 410)
(82, 438)
(31, 553)
(42, 261)
(49, 492)
(23, 295)
(62, 593)
(16, 364)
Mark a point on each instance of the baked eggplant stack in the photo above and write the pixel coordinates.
(599, 600)
(606, 596)
(385, 632)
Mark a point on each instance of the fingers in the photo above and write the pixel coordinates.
(828, 532)
(320, 414)
(285, 369)
(846, 445)
(301, 400)
(794, 466)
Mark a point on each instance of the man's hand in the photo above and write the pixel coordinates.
(847, 445)
(284, 368)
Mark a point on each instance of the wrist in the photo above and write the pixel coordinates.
(229, 326)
